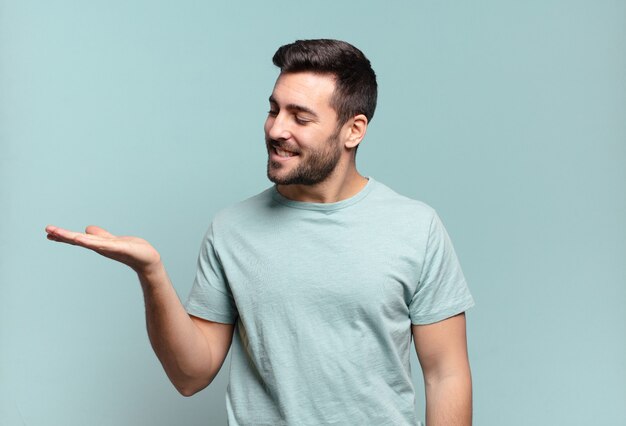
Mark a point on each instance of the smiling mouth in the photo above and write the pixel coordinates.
(283, 153)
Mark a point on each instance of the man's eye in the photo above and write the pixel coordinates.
(301, 120)
(272, 113)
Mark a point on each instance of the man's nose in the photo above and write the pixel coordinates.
(278, 129)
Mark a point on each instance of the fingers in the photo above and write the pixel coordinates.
(61, 235)
(96, 230)
(50, 228)
(56, 233)
(53, 238)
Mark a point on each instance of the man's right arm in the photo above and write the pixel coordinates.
(191, 349)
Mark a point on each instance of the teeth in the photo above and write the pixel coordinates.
(283, 153)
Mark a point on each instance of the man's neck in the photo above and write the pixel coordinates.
(332, 190)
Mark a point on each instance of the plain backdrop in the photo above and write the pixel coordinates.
(145, 117)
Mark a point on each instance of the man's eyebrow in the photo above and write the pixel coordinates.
(295, 107)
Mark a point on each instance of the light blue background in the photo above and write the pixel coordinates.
(146, 117)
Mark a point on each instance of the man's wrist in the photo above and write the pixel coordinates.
(151, 275)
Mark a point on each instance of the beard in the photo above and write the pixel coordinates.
(314, 168)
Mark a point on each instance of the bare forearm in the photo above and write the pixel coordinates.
(177, 342)
(449, 401)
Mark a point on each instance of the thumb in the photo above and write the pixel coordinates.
(96, 230)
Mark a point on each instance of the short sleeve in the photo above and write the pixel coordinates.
(441, 291)
(210, 297)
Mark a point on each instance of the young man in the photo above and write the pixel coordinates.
(319, 282)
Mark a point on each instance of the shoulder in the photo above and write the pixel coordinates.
(396, 205)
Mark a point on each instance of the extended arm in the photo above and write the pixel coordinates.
(442, 352)
(190, 349)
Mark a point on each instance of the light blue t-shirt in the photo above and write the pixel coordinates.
(323, 296)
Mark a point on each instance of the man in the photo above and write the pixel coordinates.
(322, 279)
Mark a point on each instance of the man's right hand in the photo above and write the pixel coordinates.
(192, 350)
(132, 251)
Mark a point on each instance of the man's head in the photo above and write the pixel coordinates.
(355, 81)
(319, 110)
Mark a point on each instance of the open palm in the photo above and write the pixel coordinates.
(132, 251)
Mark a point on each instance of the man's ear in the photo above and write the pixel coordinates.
(357, 126)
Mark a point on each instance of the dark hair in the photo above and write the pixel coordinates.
(355, 80)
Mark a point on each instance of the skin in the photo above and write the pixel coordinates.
(442, 352)
(314, 165)
(301, 121)
(191, 349)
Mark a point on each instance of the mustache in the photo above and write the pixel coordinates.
(281, 145)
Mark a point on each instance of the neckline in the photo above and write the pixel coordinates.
(304, 205)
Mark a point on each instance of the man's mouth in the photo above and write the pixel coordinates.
(283, 153)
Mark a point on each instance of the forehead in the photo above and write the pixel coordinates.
(304, 88)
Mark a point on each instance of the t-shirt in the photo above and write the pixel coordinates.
(323, 296)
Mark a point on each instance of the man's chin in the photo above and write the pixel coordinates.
(274, 174)
(275, 178)
(279, 179)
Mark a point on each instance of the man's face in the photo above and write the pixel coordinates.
(301, 132)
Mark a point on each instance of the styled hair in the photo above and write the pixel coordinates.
(355, 81)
